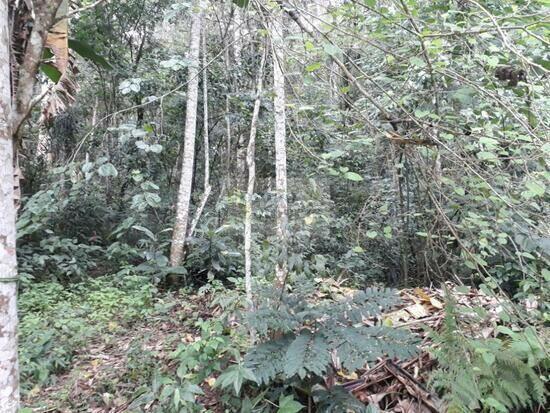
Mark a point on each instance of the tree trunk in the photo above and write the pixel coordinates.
(184, 192)
(280, 150)
(15, 106)
(250, 161)
(226, 184)
(9, 369)
(206, 142)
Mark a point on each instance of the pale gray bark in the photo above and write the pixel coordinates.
(9, 370)
(280, 149)
(251, 163)
(227, 181)
(184, 192)
(206, 143)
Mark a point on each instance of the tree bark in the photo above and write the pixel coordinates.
(184, 192)
(281, 270)
(44, 12)
(251, 163)
(206, 142)
(9, 368)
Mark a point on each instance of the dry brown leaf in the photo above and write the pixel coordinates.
(417, 311)
(399, 315)
(436, 303)
(420, 293)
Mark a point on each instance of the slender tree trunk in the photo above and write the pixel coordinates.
(250, 161)
(227, 179)
(280, 150)
(9, 369)
(206, 143)
(184, 192)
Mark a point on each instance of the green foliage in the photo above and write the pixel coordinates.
(208, 355)
(235, 376)
(309, 333)
(337, 399)
(441, 169)
(241, 3)
(491, 375)
(287, 404)
(87, 51)
(55, 321)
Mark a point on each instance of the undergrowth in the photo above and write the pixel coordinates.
(503, 374)
(56, 320)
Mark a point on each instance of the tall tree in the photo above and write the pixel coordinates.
(21, 47)
(251, 163)
(206, 142)
(280, 148)
(9, 372)
(186, 182)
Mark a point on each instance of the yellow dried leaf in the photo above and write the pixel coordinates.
(420, 293)
(399, 315)
(417, 311)
(436, 303)
(350, 376)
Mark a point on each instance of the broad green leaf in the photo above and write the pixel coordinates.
(486, 156)
(372, 234)
(333, 154)
(417, 61)
(536, 187)
(309, 46)
(141, 145)
(464, 95)
(235, 376)
(460, 191)
(492, 61)
(107, 169)
(51, 72)
(146, 231)
(152, 199)
(490, 142)
(241, 3)
(313, 67)
(287, 404)
(352, 176)
(155, 148)
(87, 52)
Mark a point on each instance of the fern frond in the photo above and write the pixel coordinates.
(308, 353)
(266, 359)
(337, 400)
(357, 346)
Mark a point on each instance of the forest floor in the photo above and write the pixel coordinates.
(115, 367)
